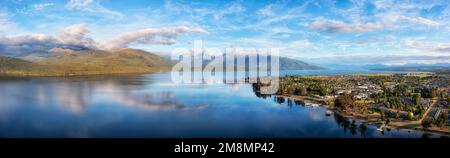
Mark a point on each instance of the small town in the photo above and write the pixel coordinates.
(417, 101)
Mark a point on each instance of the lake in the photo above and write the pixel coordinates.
(150, 106)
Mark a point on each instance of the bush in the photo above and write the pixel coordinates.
(410, 116)
(345, 102)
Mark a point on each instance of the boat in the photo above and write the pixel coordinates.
(310, 104)
(381, 128)
(315, 105)
(328, 113)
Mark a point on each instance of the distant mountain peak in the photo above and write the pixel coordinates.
(294, 64)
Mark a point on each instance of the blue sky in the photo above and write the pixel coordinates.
(327, 31)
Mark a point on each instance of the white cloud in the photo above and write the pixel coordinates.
(424, 45)
(267, 11)
(284, 29)
(387, 15)
(79, 4)
(231, 8)
(389, 59)
(199, 13)
(259, 41)
(396, 19)
(403, 5)
(92, 7)
(442, 48)
(150, 36)
(336, 26)
(277, 12)
(34, 9)
(76, 35)
(425, 21)
(26, 44)
(300, 44)
(386, 21)
(42, 6)
(418, 61)
(5, 23)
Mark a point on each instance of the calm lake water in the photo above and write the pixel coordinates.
(151, 106)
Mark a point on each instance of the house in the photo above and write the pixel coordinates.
(362, 96)
(436, 115)
(363, 87)
(425, 102)
(343, 92)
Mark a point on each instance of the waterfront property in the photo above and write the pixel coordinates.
(418, 101)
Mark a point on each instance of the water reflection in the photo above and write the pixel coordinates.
(151, 106)
(76, 96)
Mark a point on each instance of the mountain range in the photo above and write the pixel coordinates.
(293, 64)
(67, 62)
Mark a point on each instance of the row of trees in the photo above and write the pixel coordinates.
(304, 86)
(347, 103)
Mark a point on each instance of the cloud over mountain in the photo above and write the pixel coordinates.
(76, 37)
(73, 37)
(26, 44)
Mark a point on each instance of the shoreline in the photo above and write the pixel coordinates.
(66, 75)
(394, 123)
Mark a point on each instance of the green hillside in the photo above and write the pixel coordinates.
(88, 62)
(14, 66)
